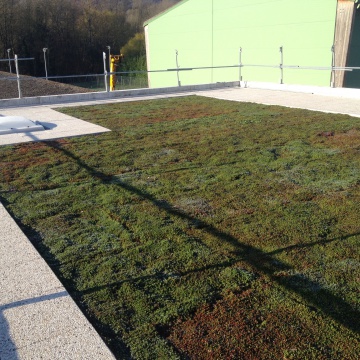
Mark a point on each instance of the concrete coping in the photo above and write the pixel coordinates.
(103, 95)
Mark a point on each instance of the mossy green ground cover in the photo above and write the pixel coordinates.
(201, 228)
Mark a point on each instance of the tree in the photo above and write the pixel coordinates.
(76, 32)
(135, 47)
(7, 11)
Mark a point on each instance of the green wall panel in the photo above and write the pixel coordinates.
(210, 33)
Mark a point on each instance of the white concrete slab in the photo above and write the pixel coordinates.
(306, 89)
(58, 125)
(339, 101)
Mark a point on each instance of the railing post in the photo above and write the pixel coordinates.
(46, 73)
(332, 82)
(17, 75)
(281, 65)
(240, 66)
(177, 66)
(105, 73)
(8, 51)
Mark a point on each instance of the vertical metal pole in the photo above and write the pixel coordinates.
(46, 73)
(105, 73)
(332, 81)
(212, 41)
(240, 65)
(109, 48)
(177, 66)
(17, 75)
(8, 51)
(281, 65)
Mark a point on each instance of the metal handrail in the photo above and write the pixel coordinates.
(178, 69)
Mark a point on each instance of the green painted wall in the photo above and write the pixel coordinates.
(210, 33)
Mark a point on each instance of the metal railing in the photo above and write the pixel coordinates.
(139, 78)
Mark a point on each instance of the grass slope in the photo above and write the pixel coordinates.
(201, 228)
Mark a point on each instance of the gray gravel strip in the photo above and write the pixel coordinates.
(38, 318)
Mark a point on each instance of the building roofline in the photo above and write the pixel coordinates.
(147, 22)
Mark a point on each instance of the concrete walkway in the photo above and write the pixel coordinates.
(339, 101)
(38, 318)
(58, 125)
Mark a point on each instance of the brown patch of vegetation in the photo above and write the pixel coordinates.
(239, 327)
(349, 138)
(326, 133)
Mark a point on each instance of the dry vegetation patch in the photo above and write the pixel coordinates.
(31, 87)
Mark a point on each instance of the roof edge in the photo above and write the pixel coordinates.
(147, 22)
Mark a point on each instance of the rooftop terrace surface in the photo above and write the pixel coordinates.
(38, 318)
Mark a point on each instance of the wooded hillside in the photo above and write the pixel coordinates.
(75, 32)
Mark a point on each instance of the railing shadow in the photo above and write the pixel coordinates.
(8, 349)
(322, 300)
(7, 346)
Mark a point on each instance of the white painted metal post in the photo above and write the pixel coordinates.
(177, 66)
(109, 49)
(46, 74)
(281, 65)
(8, 51)
(240, 65)
(17, 75)
(332, 81)
(105, 73)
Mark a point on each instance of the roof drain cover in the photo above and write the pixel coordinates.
(18, 124)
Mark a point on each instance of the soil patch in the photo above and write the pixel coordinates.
(31, 86)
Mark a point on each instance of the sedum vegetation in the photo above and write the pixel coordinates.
(201, 228)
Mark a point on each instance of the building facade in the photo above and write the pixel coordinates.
(294, 42)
